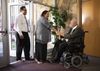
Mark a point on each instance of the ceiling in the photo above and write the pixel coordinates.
(59, 3)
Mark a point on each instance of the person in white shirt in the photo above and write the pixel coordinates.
(22, 37)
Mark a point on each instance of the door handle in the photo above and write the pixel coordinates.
(86, 31)
(3, 32)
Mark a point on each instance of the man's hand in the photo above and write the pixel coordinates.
(66, 40)
(53, 29)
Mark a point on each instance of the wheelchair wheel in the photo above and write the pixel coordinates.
(66, 65)
(76, 61)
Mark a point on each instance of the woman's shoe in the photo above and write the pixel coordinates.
(38, 62)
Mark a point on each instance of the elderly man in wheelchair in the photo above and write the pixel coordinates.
(70, 50)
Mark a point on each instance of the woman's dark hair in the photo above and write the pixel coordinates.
(22, 8)
(44, 12)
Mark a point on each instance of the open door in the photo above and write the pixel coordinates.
(13, 11)
(4, 46)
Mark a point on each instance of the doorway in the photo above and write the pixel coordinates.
(13, 11)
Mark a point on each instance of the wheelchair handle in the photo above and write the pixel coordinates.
(86, 31)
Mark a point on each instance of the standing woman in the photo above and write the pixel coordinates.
(43, 36)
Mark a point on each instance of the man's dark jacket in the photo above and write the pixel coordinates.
(76, 37)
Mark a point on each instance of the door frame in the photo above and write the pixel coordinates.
(31, 27)
(4, 61)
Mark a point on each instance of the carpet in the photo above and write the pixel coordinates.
(32, 66)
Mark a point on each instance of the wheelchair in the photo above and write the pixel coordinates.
(74, 57)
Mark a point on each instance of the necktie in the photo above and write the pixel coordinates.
(27, 24)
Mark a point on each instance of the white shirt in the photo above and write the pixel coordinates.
(71, 32)
(21, 24)
(73, 29)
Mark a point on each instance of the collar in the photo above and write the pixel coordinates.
(74, 27)
(22, 14)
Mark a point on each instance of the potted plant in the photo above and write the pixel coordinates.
(59, 19)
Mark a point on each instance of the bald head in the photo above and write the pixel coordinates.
(73, 23)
